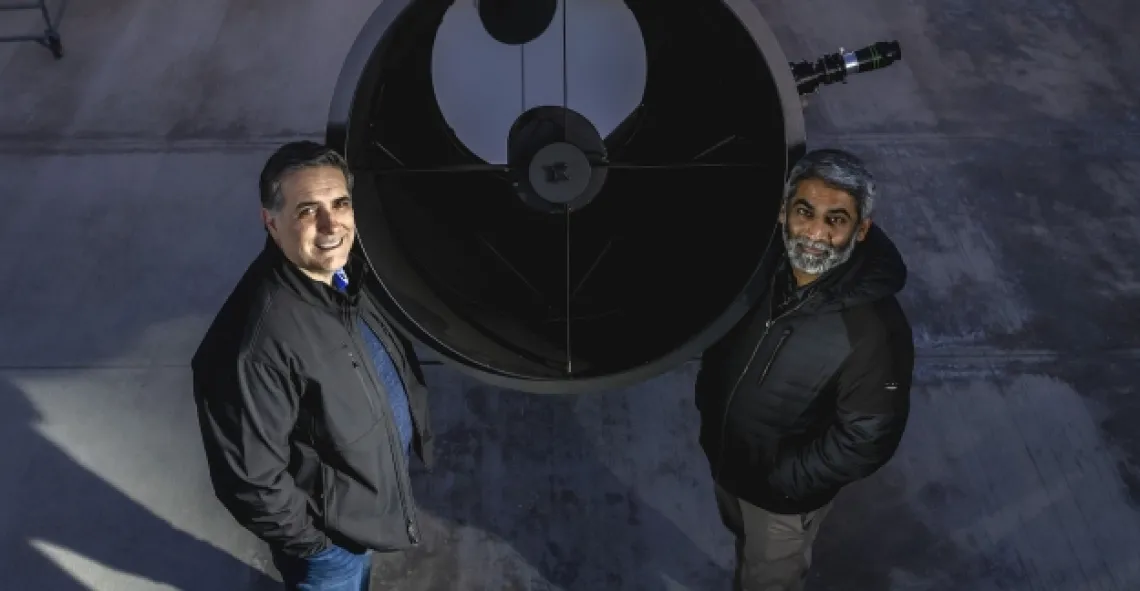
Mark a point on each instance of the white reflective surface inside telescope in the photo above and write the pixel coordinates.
(482, 85)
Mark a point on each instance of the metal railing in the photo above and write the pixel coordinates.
(50, 37)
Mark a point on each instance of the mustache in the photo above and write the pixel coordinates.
(814, 244)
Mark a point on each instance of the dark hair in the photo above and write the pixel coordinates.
(839, 170)
(291, 157)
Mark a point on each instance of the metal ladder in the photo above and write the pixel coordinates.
(50, 37)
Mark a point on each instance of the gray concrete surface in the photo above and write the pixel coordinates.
(1007, 144)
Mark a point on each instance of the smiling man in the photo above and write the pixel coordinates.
(309, 403)
(810, 391)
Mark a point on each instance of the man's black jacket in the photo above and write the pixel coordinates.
(797, 404)
(297, 427)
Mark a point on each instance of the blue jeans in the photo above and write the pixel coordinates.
(333, 569)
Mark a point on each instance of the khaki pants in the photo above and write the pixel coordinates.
(773, 552)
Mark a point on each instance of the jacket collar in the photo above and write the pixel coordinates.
(285, 273)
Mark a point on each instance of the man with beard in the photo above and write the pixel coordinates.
(810, 391)
(309, 403)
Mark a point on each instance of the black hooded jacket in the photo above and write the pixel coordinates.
(796, 403)
(298, 433)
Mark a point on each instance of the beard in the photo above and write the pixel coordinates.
(829, 258)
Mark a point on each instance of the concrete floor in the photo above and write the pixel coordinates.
(1008, 146)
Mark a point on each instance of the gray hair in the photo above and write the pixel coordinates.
(839, 170)
(291, 157)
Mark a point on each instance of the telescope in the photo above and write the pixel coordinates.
(565, 196)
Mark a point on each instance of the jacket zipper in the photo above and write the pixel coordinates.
(393, 444)
(763, 376)
(403, 361)
(356, 367)
(322, 485)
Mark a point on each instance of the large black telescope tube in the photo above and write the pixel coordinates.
(573, 202)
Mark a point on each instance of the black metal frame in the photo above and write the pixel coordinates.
(50, 37)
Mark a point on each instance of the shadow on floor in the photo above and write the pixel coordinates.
(525, 504)
(873, 541)
(51, 498)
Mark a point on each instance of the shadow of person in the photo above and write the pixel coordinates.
(520, 468)
(50, 498)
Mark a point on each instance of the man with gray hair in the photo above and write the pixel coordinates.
(810, 391)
